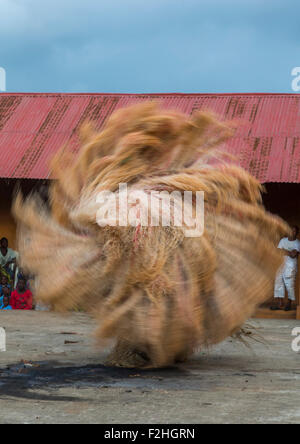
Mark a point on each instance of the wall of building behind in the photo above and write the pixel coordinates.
(7, 189)
(7, 223)
(281, 199)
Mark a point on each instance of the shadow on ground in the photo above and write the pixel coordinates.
(22, 380)
(28, 380)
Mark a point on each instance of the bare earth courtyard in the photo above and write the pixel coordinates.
(52, 373)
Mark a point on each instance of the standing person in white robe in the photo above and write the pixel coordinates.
(286, 276)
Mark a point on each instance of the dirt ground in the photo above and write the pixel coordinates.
(52, 373)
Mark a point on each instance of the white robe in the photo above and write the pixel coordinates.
(286, 275)
(10, 255)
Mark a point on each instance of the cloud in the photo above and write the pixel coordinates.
(149, 46)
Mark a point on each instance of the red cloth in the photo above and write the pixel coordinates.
(21, 301)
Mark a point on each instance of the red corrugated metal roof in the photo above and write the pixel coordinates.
(33, 126)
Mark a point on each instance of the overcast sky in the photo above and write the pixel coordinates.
(132, 46)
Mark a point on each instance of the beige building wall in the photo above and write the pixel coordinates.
(7, 223)
(280, 199)
(7, 190)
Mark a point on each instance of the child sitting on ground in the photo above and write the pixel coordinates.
(3, 283)
(21, 298)
(5, 292)
(5, 305)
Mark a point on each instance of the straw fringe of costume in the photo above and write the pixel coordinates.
(156, 292)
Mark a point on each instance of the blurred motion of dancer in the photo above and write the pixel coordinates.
(157, 294)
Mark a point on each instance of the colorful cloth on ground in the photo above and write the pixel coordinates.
(21, 301)
(8, 307)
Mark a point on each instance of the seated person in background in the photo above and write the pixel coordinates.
(4, 283)
(21, 298)
(5, 305)
(8, 258)
(21, 275)
(5, 292)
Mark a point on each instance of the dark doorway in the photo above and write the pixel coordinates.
(283, 199)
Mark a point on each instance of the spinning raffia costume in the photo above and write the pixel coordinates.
(158, 293)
